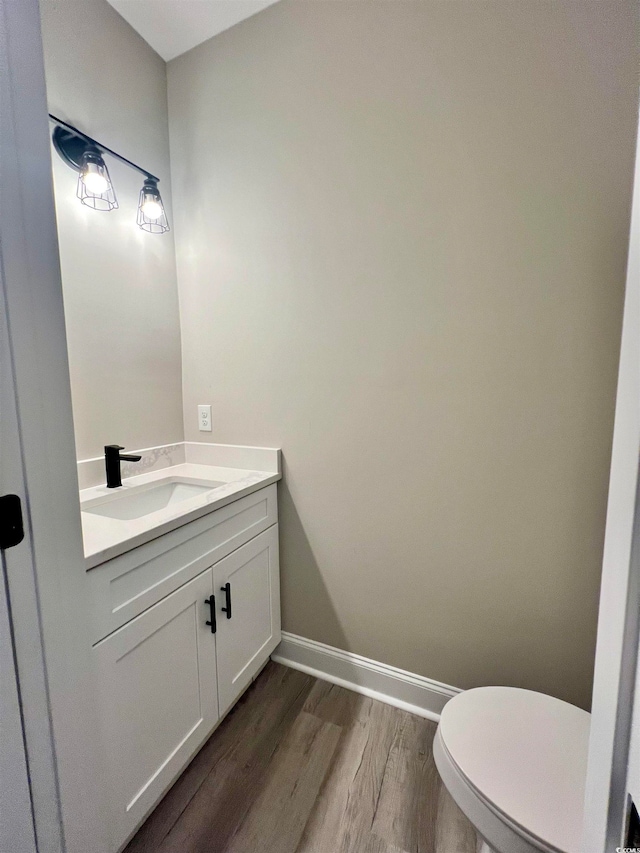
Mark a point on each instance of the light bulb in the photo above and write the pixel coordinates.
(95, 183)
(152, 208)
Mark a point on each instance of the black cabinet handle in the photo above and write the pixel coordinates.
(227, 593)
(212, 605)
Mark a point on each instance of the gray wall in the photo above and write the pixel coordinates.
(120, 291)
(402, 235)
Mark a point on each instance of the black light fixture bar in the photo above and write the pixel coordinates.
(95, 144)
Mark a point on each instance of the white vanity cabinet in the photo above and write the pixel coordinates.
(248, 580)
(158, 700)
(191, 617)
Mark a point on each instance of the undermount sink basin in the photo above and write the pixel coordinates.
(136, 502)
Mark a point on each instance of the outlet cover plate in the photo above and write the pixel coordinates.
(204, 418)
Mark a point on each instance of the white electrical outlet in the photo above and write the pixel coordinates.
(204, 418)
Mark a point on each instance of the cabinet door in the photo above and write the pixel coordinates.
(249, 578)
(158, 699)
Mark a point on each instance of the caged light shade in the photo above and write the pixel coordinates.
(94, 183)
(151, 215)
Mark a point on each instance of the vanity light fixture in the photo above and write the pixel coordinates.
(85, 156)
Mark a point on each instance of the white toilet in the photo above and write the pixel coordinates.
(515, 762)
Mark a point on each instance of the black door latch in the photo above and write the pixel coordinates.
(11, 526)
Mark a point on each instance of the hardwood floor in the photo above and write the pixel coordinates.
(302, 766)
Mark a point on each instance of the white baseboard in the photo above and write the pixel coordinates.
(413, 693)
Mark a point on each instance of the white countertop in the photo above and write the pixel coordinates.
(105, 538)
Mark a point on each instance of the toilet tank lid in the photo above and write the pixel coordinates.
(525, 753)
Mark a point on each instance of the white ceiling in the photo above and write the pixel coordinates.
(172, 27)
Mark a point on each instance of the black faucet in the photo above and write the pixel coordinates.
(112, 460)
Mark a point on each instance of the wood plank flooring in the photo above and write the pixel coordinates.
(302, 766)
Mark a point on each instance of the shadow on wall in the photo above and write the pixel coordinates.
(301, 579)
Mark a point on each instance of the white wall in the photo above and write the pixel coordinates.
(402, 232)
(121, 302)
